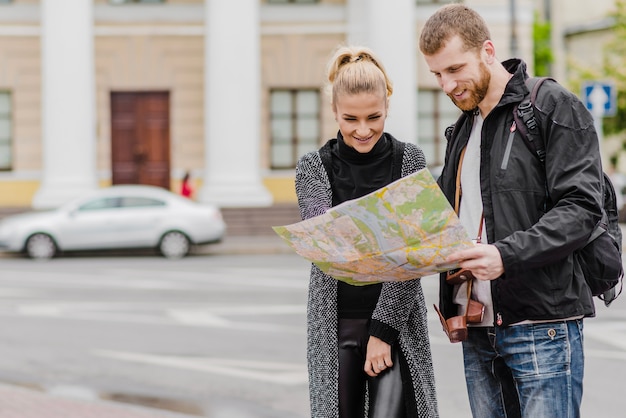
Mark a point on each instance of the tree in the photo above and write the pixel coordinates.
(614, 68)
(542, 50)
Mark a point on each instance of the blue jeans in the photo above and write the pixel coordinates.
(530, 370)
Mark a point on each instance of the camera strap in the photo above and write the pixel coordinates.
(458, 193)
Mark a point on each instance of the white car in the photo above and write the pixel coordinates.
(116, 217)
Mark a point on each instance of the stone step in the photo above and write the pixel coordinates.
(259, 221)
(4, 211)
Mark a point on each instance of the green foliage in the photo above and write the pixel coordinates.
(542, 49)
(614, 68)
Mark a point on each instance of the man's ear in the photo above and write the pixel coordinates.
(489, 50)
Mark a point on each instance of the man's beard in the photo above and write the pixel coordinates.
(477, 94)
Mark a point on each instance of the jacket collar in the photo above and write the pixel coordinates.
(516, 89)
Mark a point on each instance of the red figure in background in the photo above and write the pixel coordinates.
(185, 188)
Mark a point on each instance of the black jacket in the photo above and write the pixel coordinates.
(541, 280)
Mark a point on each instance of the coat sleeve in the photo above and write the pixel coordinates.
(396, 299)
(312, 186)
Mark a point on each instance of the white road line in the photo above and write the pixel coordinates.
(147, 313)
(270, 372)
(258, 309)
(198, 318)
(159, 279)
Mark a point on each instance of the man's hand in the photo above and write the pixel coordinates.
(483, 260)
(378, 356)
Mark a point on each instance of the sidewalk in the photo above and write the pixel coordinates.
(20, 402)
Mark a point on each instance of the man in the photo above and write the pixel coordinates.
(526, 356)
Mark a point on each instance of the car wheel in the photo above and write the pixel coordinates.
(40, 247)
(174, 244)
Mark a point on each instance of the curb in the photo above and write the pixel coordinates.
(239, 245)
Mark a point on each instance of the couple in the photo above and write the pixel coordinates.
(368, 348)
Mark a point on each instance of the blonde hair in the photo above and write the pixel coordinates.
(356, 69)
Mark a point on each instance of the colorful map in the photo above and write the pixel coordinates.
(402, 231)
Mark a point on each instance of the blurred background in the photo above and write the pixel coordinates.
(100, 93)
(106, 92)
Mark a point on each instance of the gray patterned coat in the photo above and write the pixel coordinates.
(400, 305)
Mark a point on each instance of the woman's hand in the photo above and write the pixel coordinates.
(378, 356)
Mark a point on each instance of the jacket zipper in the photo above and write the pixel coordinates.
(509, 144)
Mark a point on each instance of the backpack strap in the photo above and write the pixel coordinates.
(327, 159)
(525, 120)
(453, 130)
(398, 156)
(528, 127)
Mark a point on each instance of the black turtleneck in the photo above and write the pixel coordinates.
(356, 174)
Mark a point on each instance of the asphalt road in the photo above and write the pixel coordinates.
(212, 335)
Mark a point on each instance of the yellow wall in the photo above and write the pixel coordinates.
(282, 188)
(17, 193)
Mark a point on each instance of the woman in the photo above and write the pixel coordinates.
(368, 348)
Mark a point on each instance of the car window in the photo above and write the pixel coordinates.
(135, 202)
(101, 203)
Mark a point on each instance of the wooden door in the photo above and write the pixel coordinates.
(140, 138)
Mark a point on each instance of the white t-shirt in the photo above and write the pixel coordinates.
(470, 214)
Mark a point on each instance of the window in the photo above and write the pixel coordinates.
(135, 1)
(437, 1)
(292, 1)
(6, 131)
(138, 202)
(435, 113)
(101, 203)
(295, 125)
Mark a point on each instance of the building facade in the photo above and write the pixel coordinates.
(100, 92)
(581, 38)
(579, 33)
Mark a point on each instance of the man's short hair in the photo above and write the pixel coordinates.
(452, 20)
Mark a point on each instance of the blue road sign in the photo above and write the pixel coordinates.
(600, 97)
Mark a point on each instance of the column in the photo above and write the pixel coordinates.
(68, 102)
(396, 45)
(232, 83)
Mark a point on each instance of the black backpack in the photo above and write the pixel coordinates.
(601, 257)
